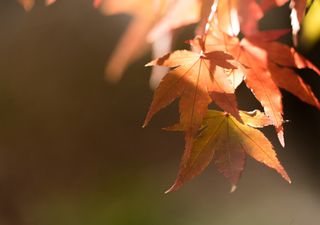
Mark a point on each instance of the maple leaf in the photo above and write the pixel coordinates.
(152, 22)
(133, 43)
(225, 141)
(265, 61)
(257, 78)
(197, 78)
(155, 19)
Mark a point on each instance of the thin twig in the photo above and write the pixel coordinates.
(213, 10)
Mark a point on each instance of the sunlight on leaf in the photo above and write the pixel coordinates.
(225, 142)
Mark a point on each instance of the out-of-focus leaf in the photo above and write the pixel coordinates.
(160, 47)
(311, 26)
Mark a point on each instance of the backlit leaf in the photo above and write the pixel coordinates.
(197, 79)
(225, 141)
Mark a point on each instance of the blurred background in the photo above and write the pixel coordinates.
(72, 150)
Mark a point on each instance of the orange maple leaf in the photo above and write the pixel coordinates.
(225, 141)
(268, 63)
(197, 78)
(153, 21)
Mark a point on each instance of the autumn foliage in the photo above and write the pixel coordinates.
(217, 62)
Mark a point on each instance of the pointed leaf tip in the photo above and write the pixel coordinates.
(149, 64)
(280, 134)
(173, 188)
(233, 188)
(285, 175)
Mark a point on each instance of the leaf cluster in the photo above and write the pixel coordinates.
(218, 62)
